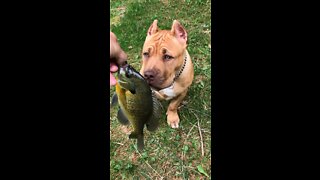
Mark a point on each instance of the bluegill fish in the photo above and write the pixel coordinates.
(138, 105)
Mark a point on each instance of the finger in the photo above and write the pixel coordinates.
(122, 58)
(117, 55)
(113, 80)
(114, 46)
(113, 67)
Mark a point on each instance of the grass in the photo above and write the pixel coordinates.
(169, 153)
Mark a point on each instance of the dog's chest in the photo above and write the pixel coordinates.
(168, 93)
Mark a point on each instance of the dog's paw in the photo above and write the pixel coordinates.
(173, 120)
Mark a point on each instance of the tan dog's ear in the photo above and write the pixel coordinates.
(179, 32)
(153, 28)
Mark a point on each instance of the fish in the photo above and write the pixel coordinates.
(138, 105)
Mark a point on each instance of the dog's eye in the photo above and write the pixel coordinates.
(146, 54)
(167, 57)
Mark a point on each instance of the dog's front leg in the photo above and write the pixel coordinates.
(172, 111)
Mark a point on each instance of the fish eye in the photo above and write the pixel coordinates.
(127, 75)
(128, 72)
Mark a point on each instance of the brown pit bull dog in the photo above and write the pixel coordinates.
(167, 66)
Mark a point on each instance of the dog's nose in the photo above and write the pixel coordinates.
(149, 75)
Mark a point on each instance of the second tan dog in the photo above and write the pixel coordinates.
(167, 66)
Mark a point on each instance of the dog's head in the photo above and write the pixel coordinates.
(163, 54)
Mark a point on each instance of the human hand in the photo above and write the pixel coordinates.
(117, 57)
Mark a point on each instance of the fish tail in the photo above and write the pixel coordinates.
(140, 141)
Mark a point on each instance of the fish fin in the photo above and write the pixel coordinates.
(153, 123)
(133, 135)
(133, 91)
(122, 117)
(156, 103)
(130, 86)
(114, 100)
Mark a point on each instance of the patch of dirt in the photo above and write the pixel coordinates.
(199, 78)
(121, 10)
(125, 129)
(134, 157)
(166, 2)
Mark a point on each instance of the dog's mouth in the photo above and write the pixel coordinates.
(156, 79)
(158, 84)
(154, 84)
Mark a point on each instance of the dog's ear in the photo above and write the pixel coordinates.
(179, 32)
(153, 28)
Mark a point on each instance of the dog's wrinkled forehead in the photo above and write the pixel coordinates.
(161, 42)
